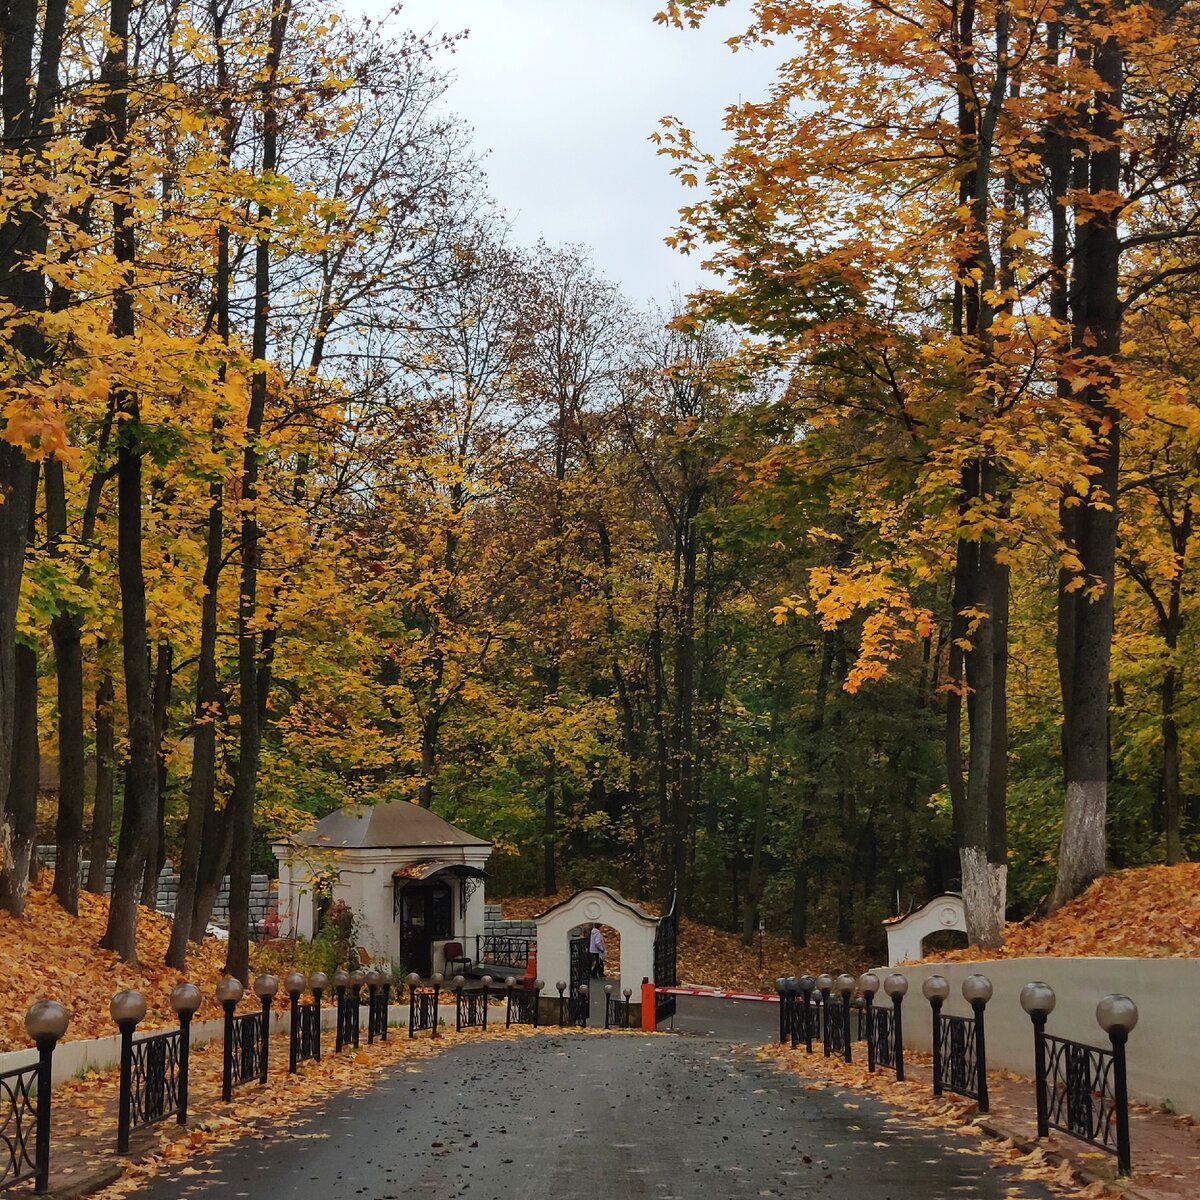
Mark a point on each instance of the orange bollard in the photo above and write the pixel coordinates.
(649, 1024)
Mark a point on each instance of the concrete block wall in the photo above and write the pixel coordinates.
(262, 889)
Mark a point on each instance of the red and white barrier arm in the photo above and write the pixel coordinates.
(717, 994)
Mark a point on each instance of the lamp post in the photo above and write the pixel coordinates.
(868, 985)
(229, 992)
(265, 987)
(293, 984)
(127, 1008)
(825, 986)
(977, 991)
(1038, 1000)
(45, 1022)
(437, 979)
(487, 983)
(1117, 1016)
(510, 982)
(373, 978)
(608, 991)
(185, 1000)
(562, 1009)
(585, 1005)
(317, 983)
(845, 988)
(538, 984)
(413, 980)
(341, 980)
(935, 989)
(354, 1004)
(626, 992)
(896, 986)
(456, 985)
(781, 992)
(806, 984)
(793, 1003)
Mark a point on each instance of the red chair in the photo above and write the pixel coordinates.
(455, 955)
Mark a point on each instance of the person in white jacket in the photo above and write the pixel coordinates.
(596, 951)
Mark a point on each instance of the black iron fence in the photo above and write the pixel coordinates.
(25, 1101)
(423, 1006)
(346, 987)
(498, 950)
(616, 1008)
(470, 1008)
(379, 992)
(1082, 1090)
(304, 1026)
(522, 1008)
(959, 1043)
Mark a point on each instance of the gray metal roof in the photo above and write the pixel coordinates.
(398, 825)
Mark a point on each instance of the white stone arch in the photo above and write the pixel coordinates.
(906, 935)
(602, 906)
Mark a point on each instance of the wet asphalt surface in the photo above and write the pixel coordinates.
(628, 1117)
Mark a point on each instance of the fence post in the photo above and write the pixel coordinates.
(509, 983)
(935, 989)
(340, 980)
(229, 992)
(896, 986)
(977, 991)
(806, 983)
(626, 992)
(265, 987)
(373, 978)
(845, 987)
(385, 1002)
(538, 984)
(437, 979)
(868, 984)
(413, 980)
(457, 984)
(127, 1008)
(608, 991)
(45, 1022)
(487, 983)
(780, 990)
(825, 986)
(1038, 1000)
(185, 999)
(317, 983)
(1117, 1016)
(293, 984)
(354, 1007)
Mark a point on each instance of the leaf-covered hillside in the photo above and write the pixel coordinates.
(1145, 912)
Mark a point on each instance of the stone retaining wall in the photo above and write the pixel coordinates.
(262, 889)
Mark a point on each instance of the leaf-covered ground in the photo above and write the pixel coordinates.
(713, 958)
(48, 954)
(1143, 912)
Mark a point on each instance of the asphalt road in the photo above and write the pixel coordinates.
(626, 1117)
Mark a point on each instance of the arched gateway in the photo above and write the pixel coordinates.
(596, 906)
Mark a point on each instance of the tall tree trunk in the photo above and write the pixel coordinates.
(156, 858)
(141, 776)
(102, 803)
(754, 883)
(27, 55)
(23, 787)
(237, 961)
(1087, 611)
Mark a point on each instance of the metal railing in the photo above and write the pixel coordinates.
(1082, 1089)
(245, 1052)
(616, 1010)
(19, 1141)
(422, 1010)
(522, 1007)
(378, 998)
(470, 1008)
(500, 950)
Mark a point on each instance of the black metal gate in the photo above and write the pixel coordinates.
(579, 1005)
(666, 972)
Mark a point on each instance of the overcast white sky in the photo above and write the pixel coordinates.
(563, 94)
